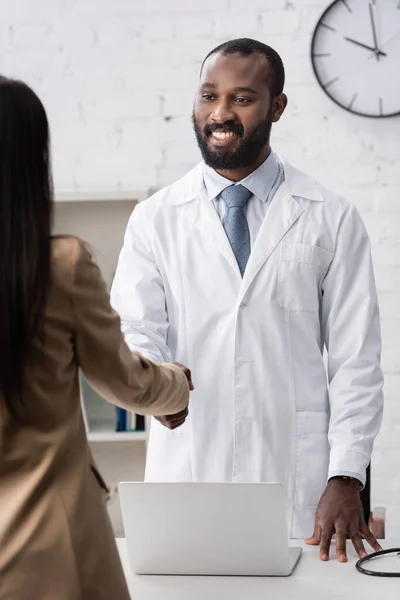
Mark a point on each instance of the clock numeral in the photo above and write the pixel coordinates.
(354, 98)
(328, 27)
(331, 82)
(347, 6)
(380, 107)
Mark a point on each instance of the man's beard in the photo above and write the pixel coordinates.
(247, 151)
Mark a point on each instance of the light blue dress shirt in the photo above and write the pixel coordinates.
(263, 183)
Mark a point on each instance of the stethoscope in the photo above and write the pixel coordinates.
(362, 561)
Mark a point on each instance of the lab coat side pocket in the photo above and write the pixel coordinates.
(312, 457)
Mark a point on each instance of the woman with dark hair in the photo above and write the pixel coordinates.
(56, 541)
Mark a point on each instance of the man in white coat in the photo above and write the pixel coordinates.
(245, 270)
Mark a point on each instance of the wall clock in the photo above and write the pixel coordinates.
(355, 54)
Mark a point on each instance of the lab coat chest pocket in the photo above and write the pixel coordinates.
(312, 456)
(300, 271)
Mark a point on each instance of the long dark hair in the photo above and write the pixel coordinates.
(26, 207)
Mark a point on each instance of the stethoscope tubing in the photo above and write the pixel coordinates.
(362, 561)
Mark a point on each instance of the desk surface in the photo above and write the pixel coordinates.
(311, 580)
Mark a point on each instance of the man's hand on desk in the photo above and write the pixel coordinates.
(174, 421)
(340, 513)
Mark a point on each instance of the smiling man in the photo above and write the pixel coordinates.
(245, 270)
(233, 135)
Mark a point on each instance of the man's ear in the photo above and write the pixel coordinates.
(278, 108)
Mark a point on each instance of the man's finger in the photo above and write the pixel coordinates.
(173, 421)
(341, 544)
(370, 538)
(312, 541)
(358, 544)
(175, 425)
(180, 415)
(177, 422)
(188, 374)
(189, 378)
(315, 539)
(325, 544)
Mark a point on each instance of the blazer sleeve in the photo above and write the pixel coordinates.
(122, 377)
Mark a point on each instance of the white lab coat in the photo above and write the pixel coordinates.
(264, 407)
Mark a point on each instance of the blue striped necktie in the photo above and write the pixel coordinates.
(235, 225)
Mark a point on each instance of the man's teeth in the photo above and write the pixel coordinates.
(222, 135)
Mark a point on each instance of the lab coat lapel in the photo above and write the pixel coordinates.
(190, 195)
(282, 213)
(204, 216)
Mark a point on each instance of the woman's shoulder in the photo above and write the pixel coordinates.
(66, 253)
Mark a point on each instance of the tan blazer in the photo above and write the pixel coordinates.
(56, 541)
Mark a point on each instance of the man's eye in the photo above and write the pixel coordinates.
(207, 97)
(243, 100)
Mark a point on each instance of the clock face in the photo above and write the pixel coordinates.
(356, 55)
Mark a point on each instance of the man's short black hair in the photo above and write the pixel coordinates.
(247, 46)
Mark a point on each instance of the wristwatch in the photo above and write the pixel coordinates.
(348, 478)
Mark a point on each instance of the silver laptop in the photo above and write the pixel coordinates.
(206, 529)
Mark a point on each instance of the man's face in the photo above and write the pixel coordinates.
(232, 114)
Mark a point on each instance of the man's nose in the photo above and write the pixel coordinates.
(222, 112)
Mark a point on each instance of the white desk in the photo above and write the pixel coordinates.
(312, 580)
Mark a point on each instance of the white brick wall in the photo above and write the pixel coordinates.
(118, 78)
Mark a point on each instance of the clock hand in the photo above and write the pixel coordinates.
(365, 46)
(371, 14)
(386, 44)
(390, 40)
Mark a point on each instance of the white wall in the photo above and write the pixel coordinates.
(118, 77)
(101, 224)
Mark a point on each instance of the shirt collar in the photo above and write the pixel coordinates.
(259, 182)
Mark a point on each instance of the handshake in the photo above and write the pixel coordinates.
(174, 421)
